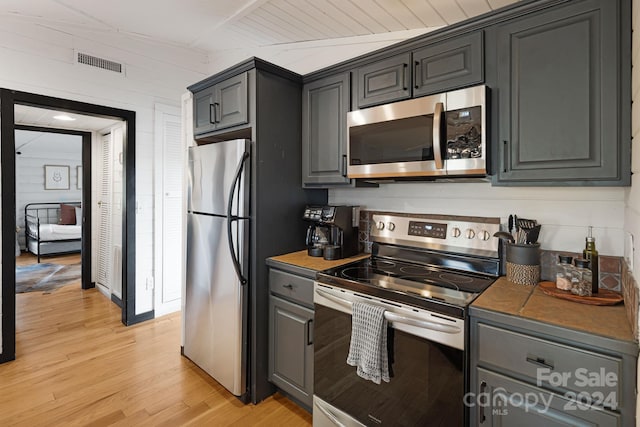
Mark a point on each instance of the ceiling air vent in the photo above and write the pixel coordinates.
(94, 61)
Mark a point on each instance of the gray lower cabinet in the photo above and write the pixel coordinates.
(325, 104)
(222, 105)
(291, 335)
(449, 64)
(515, 403)
(527, 373)
(561, 105)
(383, 81)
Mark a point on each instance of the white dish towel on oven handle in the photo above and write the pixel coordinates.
(368, 348)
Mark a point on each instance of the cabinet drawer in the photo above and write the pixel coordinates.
(552, 365)
(503, 401)
(291, 287)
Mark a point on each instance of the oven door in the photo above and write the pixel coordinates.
(427, 382)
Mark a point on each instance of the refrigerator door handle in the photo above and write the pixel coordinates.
(232, 218)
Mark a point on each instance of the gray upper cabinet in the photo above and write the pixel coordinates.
(232, 98)
(325, 104)
(450, 64)
(560, 111)
(221, 106)
(384, 81)
(203, 111)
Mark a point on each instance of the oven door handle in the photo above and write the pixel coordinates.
(327, 413)
(396, 318)
(425, 324)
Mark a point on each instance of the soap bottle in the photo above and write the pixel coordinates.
(590, 253)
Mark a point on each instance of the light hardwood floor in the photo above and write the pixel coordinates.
(78, 365)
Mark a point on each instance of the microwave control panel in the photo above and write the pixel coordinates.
(427, 229)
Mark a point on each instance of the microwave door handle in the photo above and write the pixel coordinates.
(437, 137)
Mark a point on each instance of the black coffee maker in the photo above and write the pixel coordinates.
(333, 232)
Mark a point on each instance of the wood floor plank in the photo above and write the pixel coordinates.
(78, 365)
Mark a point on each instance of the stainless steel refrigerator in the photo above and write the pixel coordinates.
(217, 278)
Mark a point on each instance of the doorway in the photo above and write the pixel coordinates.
(49, 201)
(8, 100)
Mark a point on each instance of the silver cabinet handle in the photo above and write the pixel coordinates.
(437, 143)
(393, 317)
(539, 361)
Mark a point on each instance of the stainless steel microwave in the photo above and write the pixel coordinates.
(438, 135)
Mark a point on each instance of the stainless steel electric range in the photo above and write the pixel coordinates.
(424, 270)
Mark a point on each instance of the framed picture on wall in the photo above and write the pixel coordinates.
(79, 177)
(56, 177)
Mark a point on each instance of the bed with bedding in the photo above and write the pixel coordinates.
(53, 228)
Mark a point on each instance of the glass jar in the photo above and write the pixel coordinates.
(581, 278)
(564, 268)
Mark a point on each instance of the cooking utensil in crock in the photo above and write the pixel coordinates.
(503, 235)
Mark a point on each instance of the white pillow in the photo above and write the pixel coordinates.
(78, 215)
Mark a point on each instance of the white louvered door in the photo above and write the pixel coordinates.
(104, 260)
(172, 210)
(169, 211)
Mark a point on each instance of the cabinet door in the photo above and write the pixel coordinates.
(559, 115)
(231, 103)
(451, 64)
(203, 105)
(325, 104)
(502, 401)
(291, 348)
(384, 81)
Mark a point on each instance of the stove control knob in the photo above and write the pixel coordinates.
(455, 232)
(470, 233)
(380, 225)
(391, 226)
(484, 235)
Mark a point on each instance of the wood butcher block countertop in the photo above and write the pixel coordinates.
(302, 260)
(531, 303)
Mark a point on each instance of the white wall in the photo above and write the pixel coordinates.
(40, 59)
(565, 213)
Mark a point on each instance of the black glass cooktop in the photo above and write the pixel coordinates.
(408, 282)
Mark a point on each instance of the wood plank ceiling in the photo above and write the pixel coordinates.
(216, 25)
(289, 21)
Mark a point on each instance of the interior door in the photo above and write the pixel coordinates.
(104, 243)
(170, 164)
